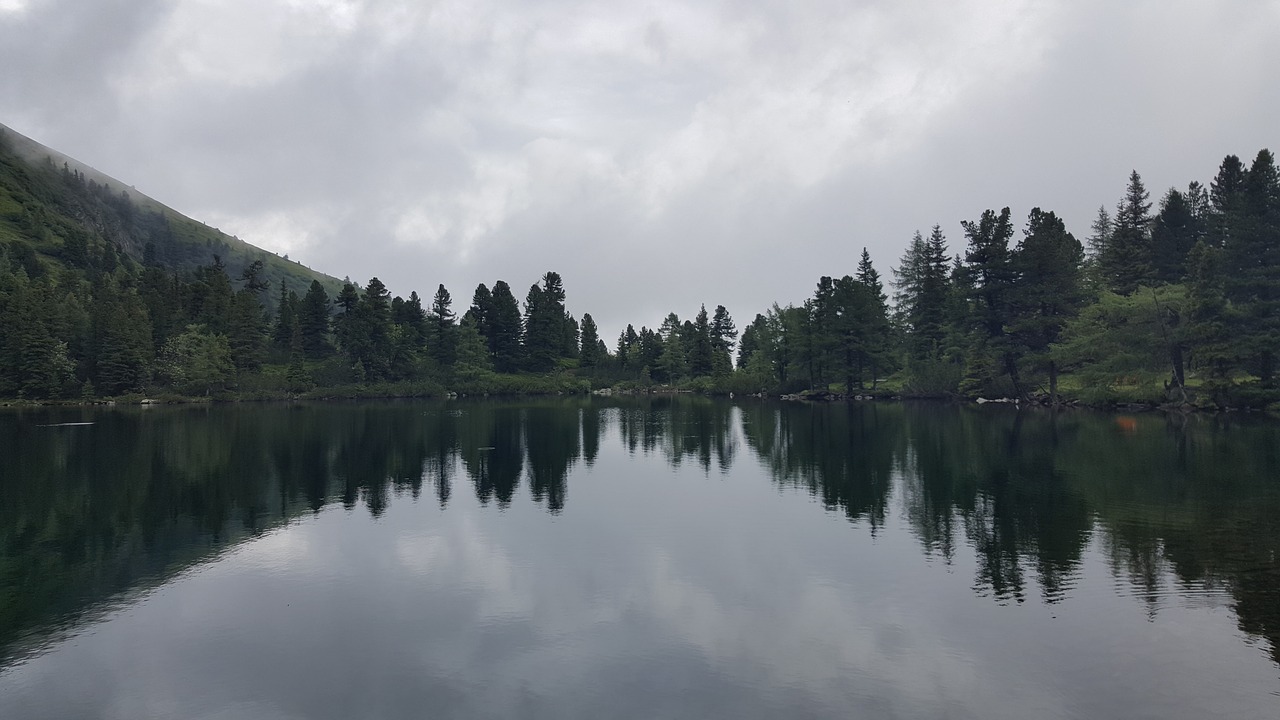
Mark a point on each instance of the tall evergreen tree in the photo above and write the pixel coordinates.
(313, 322)
(922, 289)
(700, 352)
(282, 331)
(628, 348)
(1100, 236)
(723, 336)
(1048, 291)
(548, 335)
(1125, 262)
(505, 329)
(480, 311)
(122, 340)
(589, 355)
(673, 364)
(247, 331)
(1174, 231)
(442, 342)
(876, 340)
(990, 266)
(1253, 261)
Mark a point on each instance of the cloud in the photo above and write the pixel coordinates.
(658, 155)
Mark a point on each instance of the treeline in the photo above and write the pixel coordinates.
(1178, 302)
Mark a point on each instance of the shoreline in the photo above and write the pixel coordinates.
(807, 397)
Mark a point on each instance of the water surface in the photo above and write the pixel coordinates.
(637, 559)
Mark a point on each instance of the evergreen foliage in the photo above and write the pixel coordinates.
(99, 297)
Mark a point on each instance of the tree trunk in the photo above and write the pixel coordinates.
(1053, 383)
(1179, 370)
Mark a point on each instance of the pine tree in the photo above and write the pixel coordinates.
(345, 323)
(412, 320)
(723, 336)
(700, 353)
(247, 331)
(480, 311)
(1048, 291)
(989, 264)
(628, 348)
(473, 363)
(313, 322)
(283, 330)
(589, 355)
(442, 342)
(1227, 190)
(1125, 262)
(505, 330)
(1252, 251)
(876, 343)
(673, 364)
(1174, 231)
(922, 289)
(548, 334)
(211, 297)
(122, 340)
(750, 344)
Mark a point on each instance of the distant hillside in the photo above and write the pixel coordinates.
(59, 207)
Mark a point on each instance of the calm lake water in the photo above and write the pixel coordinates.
(666, 558)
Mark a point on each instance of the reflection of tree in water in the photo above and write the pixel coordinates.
(1179, 505)
(1198, 495)
(996, 473)
(593, 426)
(552, 443)
(440, 430)
(491, 445)
(842, 453)
(643, 424)
(680, 428)
(380, 446)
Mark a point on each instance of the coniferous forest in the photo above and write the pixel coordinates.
(1172, 300)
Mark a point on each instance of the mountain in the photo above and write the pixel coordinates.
(54, 209)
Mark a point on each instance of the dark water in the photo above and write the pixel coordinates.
(652, 559)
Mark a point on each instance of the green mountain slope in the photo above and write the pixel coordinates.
(55, 209)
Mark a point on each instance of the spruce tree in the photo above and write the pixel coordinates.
(723, 336)
(286, 318)
(247, 331)
(700, 352)
(589, 355)
(1048, 291)
(877, 329)
(1253, 260)
(548, 333)
(1101, 233)
(442, 342)
(750, 341)
(1125, 261)
(480, 311)
(989, 264)
(313, 322)
(1174, 231)
(505, 329)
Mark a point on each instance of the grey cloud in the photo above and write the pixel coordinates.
(657, 156)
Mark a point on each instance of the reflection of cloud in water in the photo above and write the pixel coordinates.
(822, 642)
(286, 550)
(467, 559)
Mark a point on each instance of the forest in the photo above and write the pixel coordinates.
(1174, 301)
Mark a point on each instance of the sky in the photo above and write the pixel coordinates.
(658, 155)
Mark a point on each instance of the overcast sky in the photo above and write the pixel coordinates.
(658, 155)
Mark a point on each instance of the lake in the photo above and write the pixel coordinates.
(637, 558)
